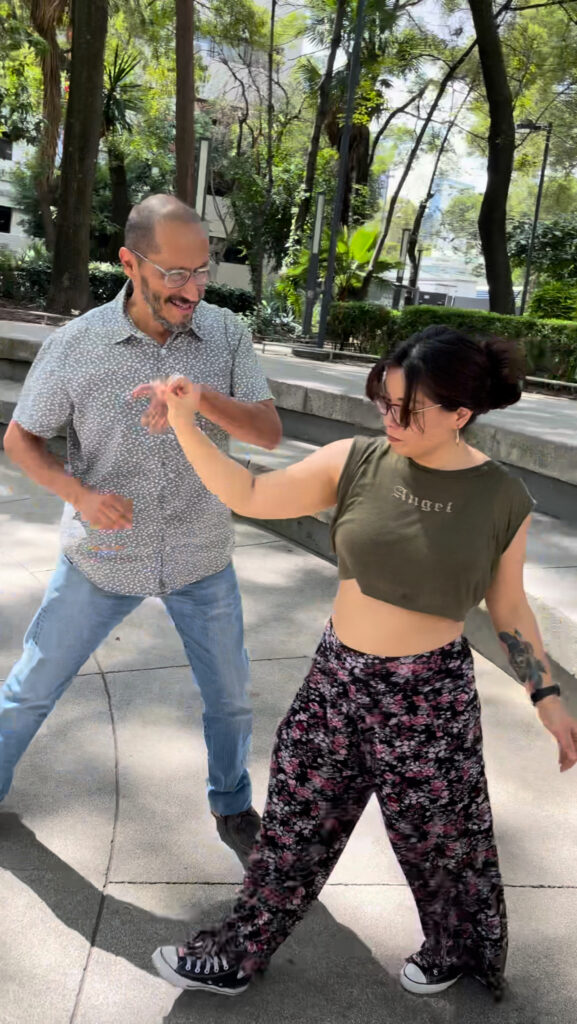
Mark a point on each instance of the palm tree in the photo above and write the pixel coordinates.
(47, 17)
(121, 99)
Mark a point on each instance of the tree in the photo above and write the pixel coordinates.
(47, 16)
(501, 154)
(554, 255)
(69, 287)
(185, 101)
(324, 92)
(121, 99)
(441, 88)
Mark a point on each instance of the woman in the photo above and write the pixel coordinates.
(425, 527)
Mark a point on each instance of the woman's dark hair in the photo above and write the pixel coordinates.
(454, 370)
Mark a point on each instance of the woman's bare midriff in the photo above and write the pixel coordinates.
(375, 627)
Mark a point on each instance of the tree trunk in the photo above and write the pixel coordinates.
(69, 285)
(320, 117)
(120, 198)
(449, 75)
(185, 102)
(270, 101)
(493, 215)
(418, 221)
(46, 19)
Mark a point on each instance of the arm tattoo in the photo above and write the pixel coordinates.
(524, 662)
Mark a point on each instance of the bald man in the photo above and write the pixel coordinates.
(137, 521)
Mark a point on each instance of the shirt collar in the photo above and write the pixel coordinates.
(123, 327)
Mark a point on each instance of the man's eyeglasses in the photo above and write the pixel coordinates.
(177, 278)
(387, 408)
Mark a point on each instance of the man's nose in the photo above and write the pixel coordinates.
(191, 291)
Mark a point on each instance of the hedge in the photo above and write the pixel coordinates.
(366, 327)
(28, 284)
(550, 345)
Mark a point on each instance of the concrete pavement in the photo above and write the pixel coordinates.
(107, 847)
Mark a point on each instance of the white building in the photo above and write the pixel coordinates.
(12, 234)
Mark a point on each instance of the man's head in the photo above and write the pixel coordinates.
(163, 234)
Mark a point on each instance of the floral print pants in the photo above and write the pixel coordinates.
(409, 730)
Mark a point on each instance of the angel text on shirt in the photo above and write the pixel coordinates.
(402, 494)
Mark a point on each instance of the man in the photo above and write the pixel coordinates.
(137, 520)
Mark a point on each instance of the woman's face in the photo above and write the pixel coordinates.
(431, 428)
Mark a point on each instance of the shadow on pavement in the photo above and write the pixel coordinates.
(323, 973)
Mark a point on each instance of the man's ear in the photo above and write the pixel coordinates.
(128, 261)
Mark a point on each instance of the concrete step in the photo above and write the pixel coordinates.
(550, 572)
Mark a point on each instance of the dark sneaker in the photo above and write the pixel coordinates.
(427, 981)
(183, 968)
(239, 832)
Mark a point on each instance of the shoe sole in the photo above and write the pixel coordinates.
(167, 973)
(426, 990)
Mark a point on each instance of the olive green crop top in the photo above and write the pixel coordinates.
(428, 540)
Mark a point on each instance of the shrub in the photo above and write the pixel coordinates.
(238, 299)
(25, 279)
(364, 327)
(550, 345)
(555, 301)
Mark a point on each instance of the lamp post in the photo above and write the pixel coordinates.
(354, 75)
(401, 271)
(530, 126)
(313, 268)
(202, 177)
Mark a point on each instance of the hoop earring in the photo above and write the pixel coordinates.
(458, 437)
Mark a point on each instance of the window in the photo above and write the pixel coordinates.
(5, 219)
(5, 148)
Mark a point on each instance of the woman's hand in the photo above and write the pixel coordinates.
(171, 401)
(563, 727)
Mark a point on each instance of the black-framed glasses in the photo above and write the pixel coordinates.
(177, 278)
(392, 409)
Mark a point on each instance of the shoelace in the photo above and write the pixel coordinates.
(207, 964)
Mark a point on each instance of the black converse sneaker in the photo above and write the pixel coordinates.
(184, 967)
(428, 981)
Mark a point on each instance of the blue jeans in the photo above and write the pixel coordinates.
(74, 619)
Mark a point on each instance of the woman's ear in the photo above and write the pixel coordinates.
(463, 417)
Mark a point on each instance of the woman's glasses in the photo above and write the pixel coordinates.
(178, 278)
(392, 409)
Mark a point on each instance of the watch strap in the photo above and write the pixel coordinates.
(546, 691)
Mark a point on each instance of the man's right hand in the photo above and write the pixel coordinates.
(105, 511)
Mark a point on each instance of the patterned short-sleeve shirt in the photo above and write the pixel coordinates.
(83, 378)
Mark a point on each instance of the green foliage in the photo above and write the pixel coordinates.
(272, 319)
(361, 326)
(353, 256)
(555, 249)
(550, 345)
(555, 301)
(25, 278)
(20, 76)
(144, 177)
(237, 299)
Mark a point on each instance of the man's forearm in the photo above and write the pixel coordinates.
(34, 459)
(254, 422)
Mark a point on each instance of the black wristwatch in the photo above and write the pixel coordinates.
(547, 691)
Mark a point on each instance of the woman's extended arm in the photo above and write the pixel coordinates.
(519, 633)
(301, 489)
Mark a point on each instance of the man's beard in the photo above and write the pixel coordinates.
(155, 303)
